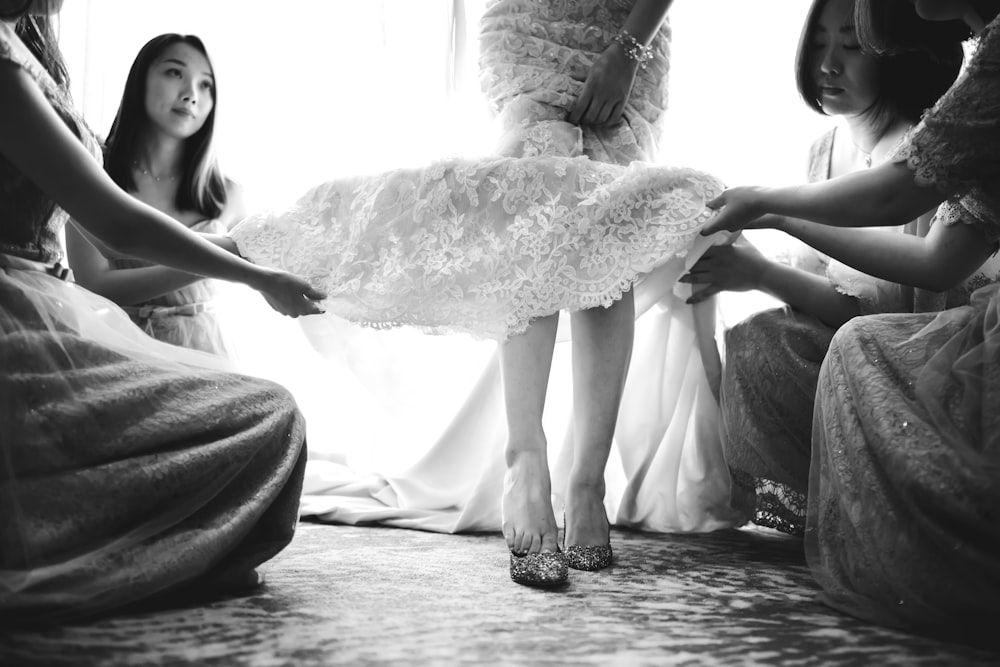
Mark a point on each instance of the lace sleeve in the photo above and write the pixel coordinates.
(6, 51)
(13, 51)
(956, 146)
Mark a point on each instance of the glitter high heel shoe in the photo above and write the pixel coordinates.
(539, 569)
(587, 557)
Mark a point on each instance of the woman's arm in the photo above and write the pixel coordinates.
(609, 83)
(125, 287)
(883, 196)
(944, 258)
(740, 267)
(645, 19)
(36, 141)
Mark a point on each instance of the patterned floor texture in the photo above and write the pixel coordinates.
(372, 595)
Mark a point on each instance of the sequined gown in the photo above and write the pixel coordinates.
(128, 467)
(772, 363)
(184, 317)
(904, 491)
(560, 218)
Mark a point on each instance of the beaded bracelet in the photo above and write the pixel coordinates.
(635, 50)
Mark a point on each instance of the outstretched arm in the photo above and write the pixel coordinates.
(884, 196)
(93, 268)
(609, 83)
(740, 267)
(125, 287)
(945, 257)
(36, 141)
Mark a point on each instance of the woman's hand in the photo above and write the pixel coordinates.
(606, 90)
(738, 208)
(734, 268)
(288, 294)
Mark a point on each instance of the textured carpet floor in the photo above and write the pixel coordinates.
(366, 596)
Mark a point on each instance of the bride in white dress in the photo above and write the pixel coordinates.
(489, 247)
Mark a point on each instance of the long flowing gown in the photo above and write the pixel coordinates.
(552, 249)
(904, 493)
(186, 316)
(129, 468)
(772, 365)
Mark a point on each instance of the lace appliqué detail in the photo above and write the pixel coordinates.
(780, 507)
(543, 53)
(483, 247)
(953, 148)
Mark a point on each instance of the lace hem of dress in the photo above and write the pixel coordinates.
(780, 507)
(483, 247)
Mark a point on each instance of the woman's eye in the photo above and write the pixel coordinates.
(205, 85)
(173, 71)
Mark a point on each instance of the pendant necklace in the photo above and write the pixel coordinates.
(159, 179)
(866, 155)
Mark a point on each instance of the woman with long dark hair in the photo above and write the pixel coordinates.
(129, 468)
(160, 150)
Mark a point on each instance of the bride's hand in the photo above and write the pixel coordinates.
(606, 91)
(737, 209)
(288, 294)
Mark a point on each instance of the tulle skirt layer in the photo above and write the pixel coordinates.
(129, 467)
(904, 507)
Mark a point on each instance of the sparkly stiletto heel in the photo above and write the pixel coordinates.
(539, 569)
(587, 557)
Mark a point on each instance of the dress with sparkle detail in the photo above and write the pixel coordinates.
(772, 364)
(904, 491)
(129, 468)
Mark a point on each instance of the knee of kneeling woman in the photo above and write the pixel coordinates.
(745, 341)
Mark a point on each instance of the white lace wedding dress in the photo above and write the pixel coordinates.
(567, 218)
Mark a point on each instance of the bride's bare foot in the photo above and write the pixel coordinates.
(588, 533)
(586, 520)
(529, 526)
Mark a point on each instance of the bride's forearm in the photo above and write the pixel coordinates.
(645, 19)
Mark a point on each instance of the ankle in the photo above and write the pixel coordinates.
(531, 450)
(584, 487)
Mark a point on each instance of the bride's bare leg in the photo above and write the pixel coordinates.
(529, 525)
(602, 348)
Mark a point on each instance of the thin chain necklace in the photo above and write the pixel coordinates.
(159, 179)
(867, 156)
